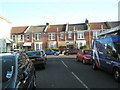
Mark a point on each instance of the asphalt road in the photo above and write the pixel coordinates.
(65, 72)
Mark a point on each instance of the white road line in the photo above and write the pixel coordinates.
(64, 64)
(80, 81)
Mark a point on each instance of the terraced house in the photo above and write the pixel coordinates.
(17, 35)
(54, 36)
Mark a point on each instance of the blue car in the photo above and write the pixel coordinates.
(51, 52)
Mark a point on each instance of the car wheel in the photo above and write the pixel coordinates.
(83, 61)
(116, 74)
(55, 54)
(94, 66)
(67, 53)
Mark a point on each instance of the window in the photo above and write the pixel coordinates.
(21, 37)
(62, 36)
(112, 51)
(28, 37)
(13, 37)
(95, 34)
(37, 36)
(69, 35)
(80, 35)
(52, 36)
(38, 46)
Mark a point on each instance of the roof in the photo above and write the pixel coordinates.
(98, 25)
(113, 24)
(81, 26)
(36, 29)
(55, 28)
(18, 30)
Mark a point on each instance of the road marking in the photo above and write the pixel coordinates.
(64, 64)
(80, 81)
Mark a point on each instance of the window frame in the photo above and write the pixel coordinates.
(51, 36)
(28, 37)
(37, 36)
(80, 35)
(69, 35)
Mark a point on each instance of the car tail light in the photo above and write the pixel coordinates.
(39, 58)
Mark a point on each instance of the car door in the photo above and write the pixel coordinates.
(48, 52)
(24, 77)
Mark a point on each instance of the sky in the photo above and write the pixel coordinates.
(39, 12)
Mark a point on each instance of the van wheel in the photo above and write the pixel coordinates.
(116, 74)
(94, 66)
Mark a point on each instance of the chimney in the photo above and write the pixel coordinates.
(87, 24)
(47, 23)
(86, 21)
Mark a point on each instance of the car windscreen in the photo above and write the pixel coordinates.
(88, 52)
(8, 67)
(33, 54)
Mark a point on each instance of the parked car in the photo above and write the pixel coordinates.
(37, 58)
(84, 55)
(71, 51)
(106, 55)
(51, 52)
(17, 71)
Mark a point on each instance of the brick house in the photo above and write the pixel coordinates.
(17, 35)
(35, 38)
(54, 36)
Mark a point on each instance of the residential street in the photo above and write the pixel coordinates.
(65, 72)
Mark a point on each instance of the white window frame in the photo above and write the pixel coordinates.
(21, 37)
(39, 46)
(69, 34)
(51, 36)
(95, 34)
(80, 35)
(37, 36)
(62, 35)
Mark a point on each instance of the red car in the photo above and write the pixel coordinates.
(71, 51)
(84, 55)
